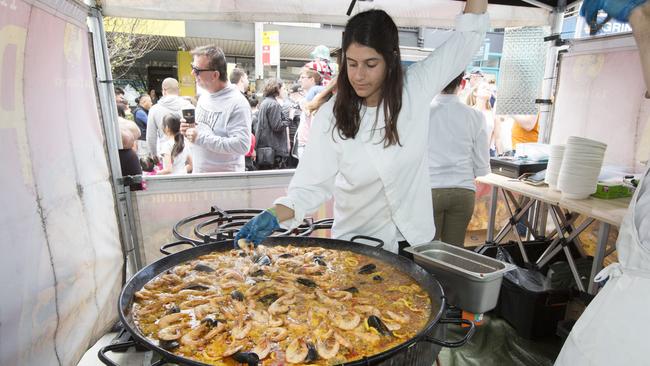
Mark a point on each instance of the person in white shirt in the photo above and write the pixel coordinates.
(175, 155)
(170, 102)
(613, 330)
(221, 135)
(367, 145)
(458, 152)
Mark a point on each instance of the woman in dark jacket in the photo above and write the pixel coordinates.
(272, 144)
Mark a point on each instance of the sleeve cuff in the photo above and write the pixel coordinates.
(471, 22)
(298, 213)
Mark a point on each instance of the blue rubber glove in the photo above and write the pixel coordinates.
(258, 228)
(617, 9)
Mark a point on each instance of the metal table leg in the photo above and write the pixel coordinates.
(603, 235)
(557, 218)
(493, 213)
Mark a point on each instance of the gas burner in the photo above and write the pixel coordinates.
(220, 225)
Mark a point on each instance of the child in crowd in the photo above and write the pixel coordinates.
(176, 157)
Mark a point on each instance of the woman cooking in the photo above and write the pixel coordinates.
(368, 144)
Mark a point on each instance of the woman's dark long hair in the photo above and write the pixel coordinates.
(173, 122)
(375, 29)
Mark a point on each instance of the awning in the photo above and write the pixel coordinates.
(407, 13)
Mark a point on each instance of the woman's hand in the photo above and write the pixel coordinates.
(258, 228)
(617, 9)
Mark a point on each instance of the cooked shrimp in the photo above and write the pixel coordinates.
(346, 320)
(232, 274)
(367, 309)
(240, 331)
(262, 349)
(193, 337)
(234, 348)
(400, 318)
(342, 341)
(276, 334)
(170, 319)
(328, 347)
(297, 351)
(275, 321)
(261, 317)
(144, 294)
(170, 333)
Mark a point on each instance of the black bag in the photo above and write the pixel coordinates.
(265, 157)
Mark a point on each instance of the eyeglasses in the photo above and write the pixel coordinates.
(196, 70)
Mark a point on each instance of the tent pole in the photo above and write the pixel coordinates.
(108, 115)
(549, 84)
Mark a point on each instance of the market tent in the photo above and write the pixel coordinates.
(64, 260)
(410, 13)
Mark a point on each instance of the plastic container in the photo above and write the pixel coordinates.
(471, 281)
(534, 315)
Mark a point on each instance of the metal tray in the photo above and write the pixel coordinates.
(471, 281)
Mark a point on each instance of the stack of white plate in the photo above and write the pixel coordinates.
(555, 156)
(581, 165)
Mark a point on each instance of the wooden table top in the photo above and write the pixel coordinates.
(611, 211)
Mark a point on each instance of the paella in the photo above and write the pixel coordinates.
(280, 305)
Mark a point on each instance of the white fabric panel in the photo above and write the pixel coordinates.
(439, 13)
(62, 261)
(599, 99)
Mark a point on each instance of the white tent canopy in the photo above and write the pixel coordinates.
(407, 13)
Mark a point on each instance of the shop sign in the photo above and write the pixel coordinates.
(611, 27)
(271, 48)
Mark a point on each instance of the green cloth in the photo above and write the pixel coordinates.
(496, 343)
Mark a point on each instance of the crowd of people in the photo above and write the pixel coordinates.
(237, 129)
(234, 128)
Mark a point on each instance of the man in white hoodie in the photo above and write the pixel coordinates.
(169, 103)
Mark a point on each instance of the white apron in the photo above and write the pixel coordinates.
(614, 328)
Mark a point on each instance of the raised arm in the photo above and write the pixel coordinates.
(426, 78)
(640, 22)
(475, 6)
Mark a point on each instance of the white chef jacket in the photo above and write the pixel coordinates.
(382, 192)
(613, 329)
(458, 144)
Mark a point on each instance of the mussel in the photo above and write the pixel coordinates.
(269, 299)
(203, 268)
(377, 278)
(262, 260)
(249, 358)
(367, 269)
(212, 321)
(237, 295)
(168, 345)
(352, 290)
(312, 353)
(196, 287)
(306, 282)
(173, 309)
(285, 255)
(318, 259)
(377, 323)
(257, 273)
